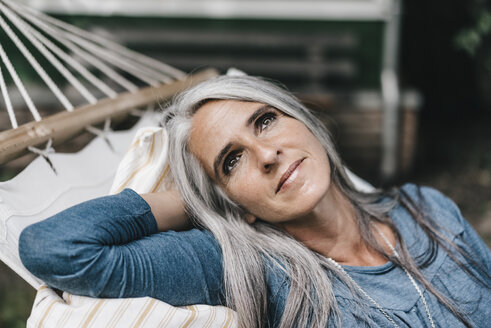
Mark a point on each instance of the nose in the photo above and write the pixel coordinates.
(267, 156)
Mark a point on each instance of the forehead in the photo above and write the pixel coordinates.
(215, 124)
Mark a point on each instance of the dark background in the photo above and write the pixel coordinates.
(454, 148)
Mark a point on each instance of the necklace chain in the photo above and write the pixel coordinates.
(411, 278)
(340, 268)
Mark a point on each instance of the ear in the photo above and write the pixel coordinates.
(250, 218)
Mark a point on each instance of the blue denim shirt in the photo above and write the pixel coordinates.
(110, 247)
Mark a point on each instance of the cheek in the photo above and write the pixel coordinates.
(248, 193)
(314, 190)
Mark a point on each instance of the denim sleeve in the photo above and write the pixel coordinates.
(111, 247)
(480, 251)
(456, 222)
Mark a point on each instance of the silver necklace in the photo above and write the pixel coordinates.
(340, 268)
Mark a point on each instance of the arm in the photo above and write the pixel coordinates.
(168, 210)
(110, 247)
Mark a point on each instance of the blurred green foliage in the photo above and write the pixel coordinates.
(16, 298)
(475, 40)
(15, 306)
(6, 174)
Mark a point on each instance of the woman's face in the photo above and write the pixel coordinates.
(264, 160)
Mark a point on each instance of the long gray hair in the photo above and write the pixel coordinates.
(249, 251)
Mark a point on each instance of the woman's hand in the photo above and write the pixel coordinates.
(168, 210)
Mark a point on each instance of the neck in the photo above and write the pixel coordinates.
(331, 229)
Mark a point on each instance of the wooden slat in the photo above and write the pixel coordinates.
(227, 38)
(65, 125)
(342, 68)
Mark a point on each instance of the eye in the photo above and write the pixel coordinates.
(264, 121)
(230, 162)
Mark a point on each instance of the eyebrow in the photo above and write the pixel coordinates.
(258, 112)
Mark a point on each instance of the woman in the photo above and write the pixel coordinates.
(285, 239)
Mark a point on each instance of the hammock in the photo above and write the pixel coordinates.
(135, 158)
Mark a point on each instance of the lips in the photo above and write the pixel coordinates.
(287, 173)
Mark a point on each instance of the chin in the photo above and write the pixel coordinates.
(309, 198)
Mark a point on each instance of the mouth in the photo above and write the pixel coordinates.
(288, 173)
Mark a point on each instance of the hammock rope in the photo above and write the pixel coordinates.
(127, 59)
(82, 55)
(82, 70)
(35, 64)
(44, 153)
(30, 34)
(21, 88)
(133, 68)
(103, 133)
(8, 103)
(85, 56)
(132, 55)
